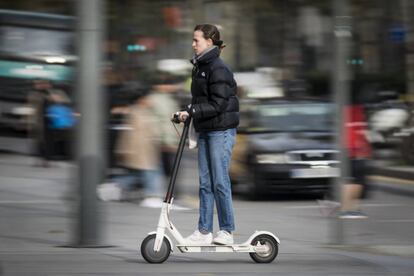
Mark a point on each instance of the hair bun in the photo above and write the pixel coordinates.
(219, 43)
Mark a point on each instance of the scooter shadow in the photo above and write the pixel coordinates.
(199, 260)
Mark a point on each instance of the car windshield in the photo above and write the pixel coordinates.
(293, 117)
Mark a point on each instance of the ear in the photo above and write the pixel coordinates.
(209, 42)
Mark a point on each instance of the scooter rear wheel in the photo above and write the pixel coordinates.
(147, 250)
(273, 249)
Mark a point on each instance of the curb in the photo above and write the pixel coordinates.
(401, 172)
(395, 179)
(394, 185)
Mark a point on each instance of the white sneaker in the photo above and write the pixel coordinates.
(199, 238)
(151, 202)
(109, 192)
(223, 238)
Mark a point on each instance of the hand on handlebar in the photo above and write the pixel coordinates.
(180, 117)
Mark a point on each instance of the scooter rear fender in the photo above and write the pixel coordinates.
(257, 233)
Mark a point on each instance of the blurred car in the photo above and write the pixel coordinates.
(284, 146)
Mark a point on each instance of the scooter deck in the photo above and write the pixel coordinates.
(231, 248)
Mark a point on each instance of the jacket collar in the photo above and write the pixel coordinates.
(207, 56)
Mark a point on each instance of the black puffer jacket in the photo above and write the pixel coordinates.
(214, 104)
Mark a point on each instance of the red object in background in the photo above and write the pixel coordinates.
(355, 130)
(150, 43)
(172, 17)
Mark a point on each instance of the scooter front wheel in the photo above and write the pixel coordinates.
(147, 250)
(272, 249)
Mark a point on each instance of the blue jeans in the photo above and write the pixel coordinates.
(214, 155)
(151, 180)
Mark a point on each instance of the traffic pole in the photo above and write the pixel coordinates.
(90, 102)
(341, 76)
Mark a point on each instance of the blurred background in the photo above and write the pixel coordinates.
(284, 56)
(276, 49)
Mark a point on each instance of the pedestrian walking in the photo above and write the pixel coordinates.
(137, 150)
(358, 151)
(164, 86)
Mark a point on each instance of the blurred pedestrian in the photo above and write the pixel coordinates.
(137, 150)
(60, 123)
(358, 152)
(164, 86)
(38, 130)
(214, 111)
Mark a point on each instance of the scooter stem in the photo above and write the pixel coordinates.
(177, 160)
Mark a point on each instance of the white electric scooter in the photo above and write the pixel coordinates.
(263, 246)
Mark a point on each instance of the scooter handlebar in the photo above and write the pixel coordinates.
(176, 118)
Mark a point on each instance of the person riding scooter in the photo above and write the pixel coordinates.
(215, 112)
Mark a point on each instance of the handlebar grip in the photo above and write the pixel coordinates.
(175, 119)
